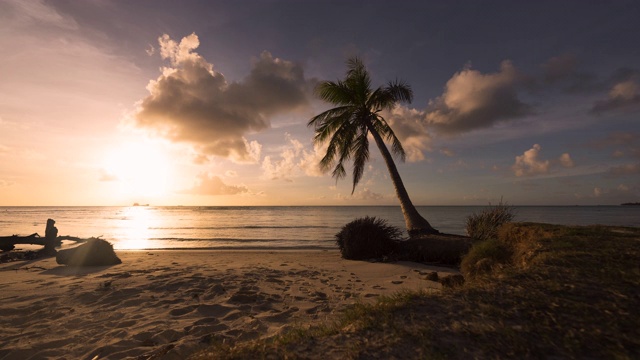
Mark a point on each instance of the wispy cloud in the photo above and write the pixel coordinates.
(213, 185)
(364, 194)
(293, 161)
(624, 170)
(621, 144)
(107, 176)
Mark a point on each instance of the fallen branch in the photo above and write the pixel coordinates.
(8, 243)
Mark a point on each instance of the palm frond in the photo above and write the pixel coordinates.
(334, 92)
(339, 172)
(377, 100)
(339, 139)
(358, 80)
(329, 122)
(387, 134)
(400, 90)
(361, 156)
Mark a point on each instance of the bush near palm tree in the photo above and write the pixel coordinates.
(485, 225)
(367, 238)
(346, 127)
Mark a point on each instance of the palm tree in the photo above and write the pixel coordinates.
(347, 126)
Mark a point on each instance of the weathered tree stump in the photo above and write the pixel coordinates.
(50, 237)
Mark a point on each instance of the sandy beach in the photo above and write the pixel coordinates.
(168, 303)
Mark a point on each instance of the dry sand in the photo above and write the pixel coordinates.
(167, 304)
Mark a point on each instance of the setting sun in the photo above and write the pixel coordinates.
(141, 169)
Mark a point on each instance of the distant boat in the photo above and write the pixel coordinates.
(136, 204)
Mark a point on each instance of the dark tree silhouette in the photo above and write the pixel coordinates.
(347, 126)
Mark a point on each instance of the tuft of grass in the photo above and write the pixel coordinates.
(558, 292)
(485, 225)
(367, 238)
(484, 258)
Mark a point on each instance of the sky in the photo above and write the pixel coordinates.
(111, 102)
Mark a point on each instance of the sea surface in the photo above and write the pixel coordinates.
(265, 227)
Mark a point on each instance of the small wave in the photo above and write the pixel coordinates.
(226, 240)
(239, 227)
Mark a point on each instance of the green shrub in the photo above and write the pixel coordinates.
(485, 257)
(485, 225)
(367, 238)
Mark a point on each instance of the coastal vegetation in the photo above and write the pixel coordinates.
(367, 238)
(347, 127)
(485, 225)
(533, 291)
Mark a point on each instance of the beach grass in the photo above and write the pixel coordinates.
(544, 291)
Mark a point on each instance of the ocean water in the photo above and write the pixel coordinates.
(281, 227)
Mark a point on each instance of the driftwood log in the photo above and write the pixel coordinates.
(95, 252)
(50, 241)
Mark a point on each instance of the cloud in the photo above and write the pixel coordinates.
(562, 70)
(213, 185)
(624, 94)
(105, 175)
(191, 102)
(566, 161)
(447, 152)
(619, 194)
(364, 194)
(26, 13)
(294, 160)
(409, 125)
(626, 144)
(616, 139)
(473, 100)
(529, 164)
(559, 68)
(624, 170)
(4, 149)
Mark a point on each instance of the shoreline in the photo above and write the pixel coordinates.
(174, 302)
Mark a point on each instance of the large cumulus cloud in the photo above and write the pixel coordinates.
(191, 102)
(473, 100)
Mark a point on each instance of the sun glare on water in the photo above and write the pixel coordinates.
(139, 169)
(135, 230)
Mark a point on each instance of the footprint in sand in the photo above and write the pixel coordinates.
(214, 311)
(181, 311)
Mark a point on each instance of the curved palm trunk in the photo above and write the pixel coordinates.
(416, 224)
